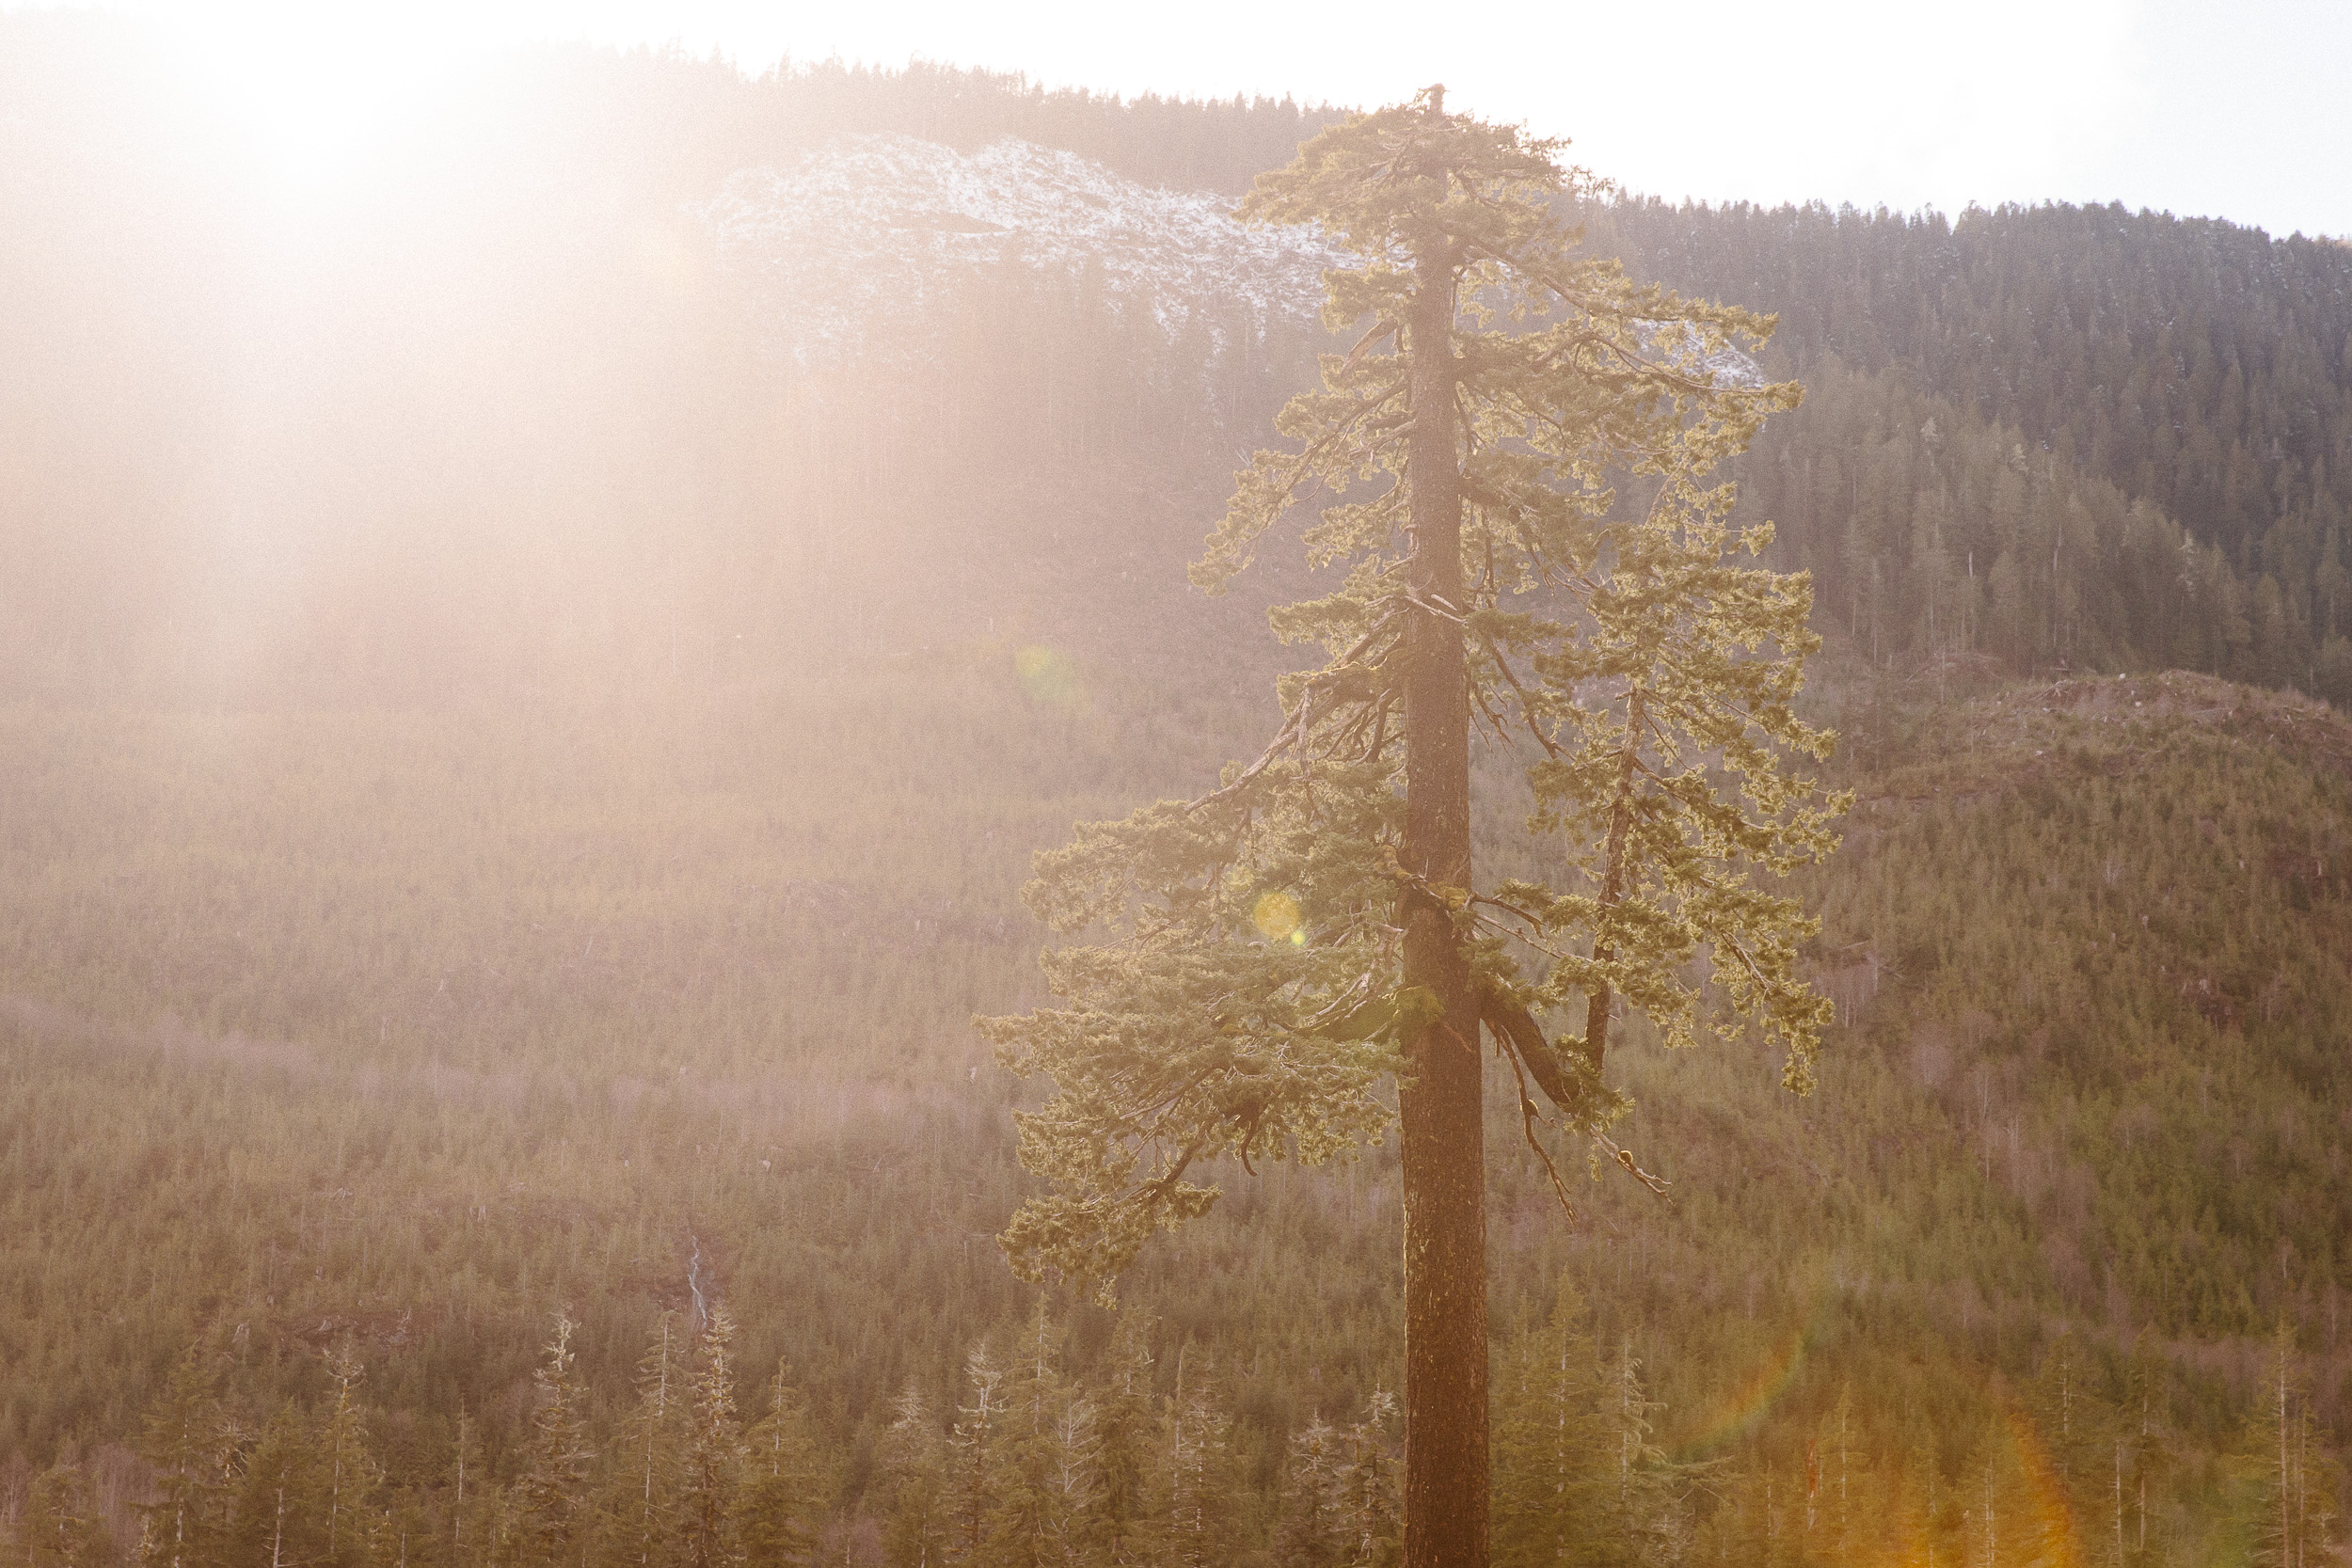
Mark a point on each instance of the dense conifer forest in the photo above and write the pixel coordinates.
(510, 799)
(2172, 400)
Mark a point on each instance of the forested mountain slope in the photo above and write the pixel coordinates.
(536, 421)
(514, 790)
(2173, 397)
(492, 414)
(402, 1036)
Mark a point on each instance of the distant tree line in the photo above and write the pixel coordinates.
(573, 466)
(2172, 398)
(1029, 1465)
(1146, 1464)
(549, 466)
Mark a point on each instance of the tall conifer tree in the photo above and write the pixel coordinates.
(350, 1475)
(644, 1507)
(783, 1498)
(280, 1508)
(913, 1468)
(1047, 1483)
(549, 1495)
(1368, 1480)
(975, 1459)
(1515, 458)
(1199, 1477)
(61, 1527)
(714, 1452)
(1311, 1530)
(1554, 1454)
(185, 1439)
(1120, 1524)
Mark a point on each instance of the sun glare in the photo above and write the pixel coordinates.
(311, 95)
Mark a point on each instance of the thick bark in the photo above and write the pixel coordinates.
(1440, 1104)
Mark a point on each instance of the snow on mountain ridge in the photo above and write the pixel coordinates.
(877, 226)
(889, 228)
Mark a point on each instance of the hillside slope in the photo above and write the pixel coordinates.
(510, 417)
(2193, 373)
(378, 1030)
(513, 793)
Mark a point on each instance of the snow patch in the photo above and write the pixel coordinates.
(872, 242)
(870, 233)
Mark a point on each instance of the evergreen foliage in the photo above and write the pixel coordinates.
(2015, 1129)
(712, 1478)
(2163, 383)
(1193, 1508)
(59, 1528)
(644, 1507)
(2298, 1483)
(364, 984)
(785, 1493)
(1282, 947)
(186, 1440)
(2173, 395)
(913, 1467)
(549, 1493)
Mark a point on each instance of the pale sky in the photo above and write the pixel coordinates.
(2241, 111)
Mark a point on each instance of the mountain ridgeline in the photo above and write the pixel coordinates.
(2068, 438)
(535, 421)
(516, 774)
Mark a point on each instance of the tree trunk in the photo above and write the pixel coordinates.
(1438, 1104)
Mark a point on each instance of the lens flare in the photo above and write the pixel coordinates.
(2045, 1488)
(1746, 1398)
(1277, 915)
(311, 95)
(1047, 674)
